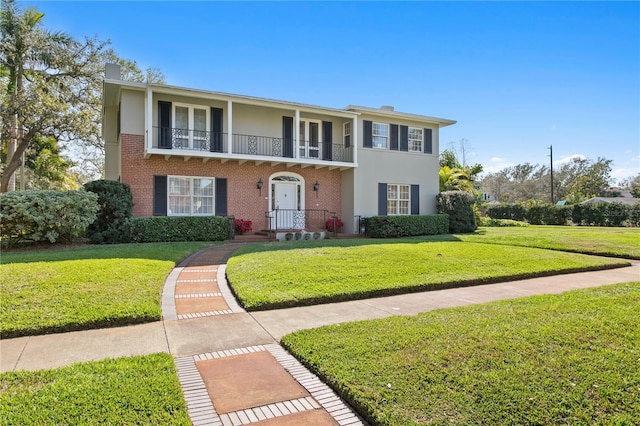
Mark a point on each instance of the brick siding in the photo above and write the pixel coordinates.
(244, 199)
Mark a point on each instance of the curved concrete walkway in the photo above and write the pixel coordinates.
(229, 362)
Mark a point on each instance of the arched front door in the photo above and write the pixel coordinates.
(286, 198)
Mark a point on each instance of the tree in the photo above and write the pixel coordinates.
(48, 74)
(455, 176)
(577, 179)
(51, 86)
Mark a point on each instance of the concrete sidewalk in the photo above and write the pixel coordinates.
(228, 359)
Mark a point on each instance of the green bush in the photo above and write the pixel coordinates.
(514, 211)
(115, 211)
(459, 206)
(547, 214)
(178, 228)
(615, 213)
(487, 221)
(37, 215)
(634, 214)
(406, 226)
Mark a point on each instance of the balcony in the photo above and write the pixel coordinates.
(190, 143)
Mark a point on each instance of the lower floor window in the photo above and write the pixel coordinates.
(398, 199)
(190, 196)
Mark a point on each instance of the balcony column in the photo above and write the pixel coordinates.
(149, 134)
(229, 127)
(296, 135)
(354, 142)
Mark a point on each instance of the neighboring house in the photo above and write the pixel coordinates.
(621, 200)
(280, 164)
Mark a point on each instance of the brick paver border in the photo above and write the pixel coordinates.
(202, 412)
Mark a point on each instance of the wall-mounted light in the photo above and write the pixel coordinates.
(259, 186)
(316, 186)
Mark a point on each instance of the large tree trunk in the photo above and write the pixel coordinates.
(12, 143)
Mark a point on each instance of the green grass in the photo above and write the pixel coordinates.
(552, 359)
(616, 242)
(272, 276)
(140, 390)
(104, 286)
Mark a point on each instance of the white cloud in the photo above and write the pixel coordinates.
(497, 160)
(570, 158)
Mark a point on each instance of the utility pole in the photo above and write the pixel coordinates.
(551, 156)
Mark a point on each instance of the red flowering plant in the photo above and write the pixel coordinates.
(330, 222)
(243, 226)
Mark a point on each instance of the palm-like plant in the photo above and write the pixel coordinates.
(454, 179)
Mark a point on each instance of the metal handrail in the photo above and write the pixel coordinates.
(303, 219)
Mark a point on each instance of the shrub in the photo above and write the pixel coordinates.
(189, 228)
(330, 222)
(615, 213)
(515, 211)
(242, 225)
(487, 221)
(54, 216)
(634, 214)
(115, 211)
(406, 226)
(459, 206)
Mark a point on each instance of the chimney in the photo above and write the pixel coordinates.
(387, 108)
(112, 72)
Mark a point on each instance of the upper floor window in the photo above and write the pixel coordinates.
(398, 199)
(190, 196)
(416, 137)
(347, 134)
(380, 135)
(190, 124)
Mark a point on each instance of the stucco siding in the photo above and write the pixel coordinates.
(132, 112)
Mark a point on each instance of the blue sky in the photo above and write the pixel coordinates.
(517, 76)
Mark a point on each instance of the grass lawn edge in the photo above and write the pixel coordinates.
(418, 288)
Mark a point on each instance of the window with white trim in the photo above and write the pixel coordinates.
(347, 134)
(190, 196)
(416, 136)
(380, 135)
(398, 199)
(190, 124)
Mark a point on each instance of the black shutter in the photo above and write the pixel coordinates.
(428, 141)
(415, 199)
(216, 130)
(368, 134)
(404, 138)
(164, 125)
(382, 199)
(327, 140)
(287, 137)
(159, 195)
(221, 197)
(394, 137)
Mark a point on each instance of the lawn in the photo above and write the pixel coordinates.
(282, 275)
(97, 286)
(551, 359)
(140, 390)
(616, 242)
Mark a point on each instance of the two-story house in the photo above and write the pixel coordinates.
(280, 164)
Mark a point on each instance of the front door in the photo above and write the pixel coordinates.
(286, 203)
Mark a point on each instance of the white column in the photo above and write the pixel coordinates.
(354, 137)
(230, 127)
(149, 119)
(296, 135)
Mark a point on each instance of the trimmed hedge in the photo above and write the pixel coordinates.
(188, 228)
(45, 215)
(406, 226)
(459, 206)
(598, 214)
(115, 211)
